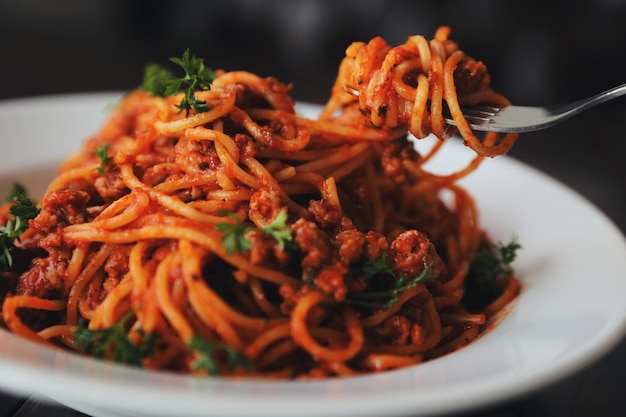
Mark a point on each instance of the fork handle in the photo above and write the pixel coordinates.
(584, 104)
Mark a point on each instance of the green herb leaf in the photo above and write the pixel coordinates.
(102, 154)
(160, 81)
(153, 79)
(279, 230)
(488, 265)
(374, 267)
(113, 341)
(234, 237)
(384, 298)
(23, 211)
(208, 353)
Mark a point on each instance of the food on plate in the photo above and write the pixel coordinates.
(208, 228)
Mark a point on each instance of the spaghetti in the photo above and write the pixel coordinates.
(249, 240)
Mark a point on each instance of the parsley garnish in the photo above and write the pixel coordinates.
(113, 341)
(279, 230)
(102, 154)
(234, 237)
(208, 352)
(374, 267)
(160, 81)
(23, 211)
(153, 79)
(385, 298)
(488, 265)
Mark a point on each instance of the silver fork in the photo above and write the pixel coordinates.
(526, 118)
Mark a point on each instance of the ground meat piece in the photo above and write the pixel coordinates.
(115, 268)
(110, 186)
(349, 244)
(61, 208)
(393, 155)
(313, 242)
(116, 264)
(265, 205)
(325, 212)
(375, 245)
(411, 252)
(330, 280)
(46, 275)
(108, 285)
(197, 156)
(470, 75)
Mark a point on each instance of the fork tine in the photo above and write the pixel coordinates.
(480, 115)
(488, 108)
(478, 120)
(480, 111)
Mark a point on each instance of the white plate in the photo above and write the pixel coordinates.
(570, 312)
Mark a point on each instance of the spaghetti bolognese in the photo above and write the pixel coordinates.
(208, 228)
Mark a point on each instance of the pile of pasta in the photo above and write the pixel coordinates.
(250, 240)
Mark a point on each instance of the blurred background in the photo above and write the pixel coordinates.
(538, 52)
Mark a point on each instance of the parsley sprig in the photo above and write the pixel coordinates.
(23, 210)
(489, 264)
(383, 299)
(160, 81)
(279, 230)
(208, 355)
(102, 152)
(234, 235)
(113, 341)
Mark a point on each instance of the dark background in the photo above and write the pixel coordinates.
(538, 52)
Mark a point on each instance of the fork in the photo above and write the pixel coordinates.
(524, 118)
(527, 118)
